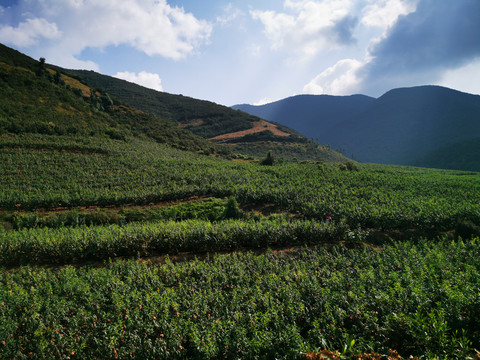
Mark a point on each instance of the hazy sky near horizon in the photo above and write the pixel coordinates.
(255, 51)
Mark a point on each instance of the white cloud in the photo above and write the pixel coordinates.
(230, 13)
(28, 32)
(151, 26)
(384, 13)
(339, 79)
(308, 26)
(143, 78)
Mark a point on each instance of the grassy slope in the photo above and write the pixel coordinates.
(316, 115)
(33, 103)
(208, 120)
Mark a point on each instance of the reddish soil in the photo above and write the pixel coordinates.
(259, 126)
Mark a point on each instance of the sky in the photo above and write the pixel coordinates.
(255, 51)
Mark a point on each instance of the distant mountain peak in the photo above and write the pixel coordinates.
(409, 126)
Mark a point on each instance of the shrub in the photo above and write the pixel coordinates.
(232, 210)
(269, 160)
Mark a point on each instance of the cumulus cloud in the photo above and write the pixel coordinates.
(340, 79)
(309, 26)
(153, 27)
(143, 78)
(466, 78)
(424, 42)
(384, 13)
(438, 36)
(28, 32)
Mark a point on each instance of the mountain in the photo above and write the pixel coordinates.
(35, 99)
(239, 131)
(429, 126)
(306, 113)
(40, 98)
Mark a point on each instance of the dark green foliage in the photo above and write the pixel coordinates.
(419, 298)
(62, 109)
(466, 228)
(181, 109)
(289, 151)
(113, 172)
(15, 58)
(269, 160)
(232, 210)
(97, 243)
(38, 104)
(210, 209)
(208, 119)
(349, 165)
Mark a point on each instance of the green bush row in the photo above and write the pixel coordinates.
(71, 245)
(141, 173)
(420, 298)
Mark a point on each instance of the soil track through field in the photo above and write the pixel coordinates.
(45, 147)
(125, 206)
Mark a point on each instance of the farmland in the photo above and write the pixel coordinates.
(284, 260)
(123, 235)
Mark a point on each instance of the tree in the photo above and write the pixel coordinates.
(57, 78)
(41, 66)
(269, 160)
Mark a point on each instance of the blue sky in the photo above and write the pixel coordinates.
(246, 51)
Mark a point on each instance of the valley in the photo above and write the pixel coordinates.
(126, 233)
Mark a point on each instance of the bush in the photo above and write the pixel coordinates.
(232, 210)
(269, 160)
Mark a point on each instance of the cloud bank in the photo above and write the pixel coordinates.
(307, 27)
(421, 43)
(29, 32)
(438, 36)
(143, 78)
(64, 28)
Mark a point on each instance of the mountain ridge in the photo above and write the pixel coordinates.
(213, 121)
(404, 126)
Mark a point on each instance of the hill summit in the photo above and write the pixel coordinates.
(238, 131)
(428, 126)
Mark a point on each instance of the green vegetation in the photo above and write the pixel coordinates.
(111, 172)
(419, 297)
(97, 198)
(215, 119)
(208, 120)
(37, 101)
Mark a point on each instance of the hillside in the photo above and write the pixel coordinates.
(239, 131)
(38, 100)
(409, 126)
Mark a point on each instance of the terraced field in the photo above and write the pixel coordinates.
(278, 261)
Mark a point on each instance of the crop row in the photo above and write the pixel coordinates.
(420, 297)
(71, 245)
(144, 173)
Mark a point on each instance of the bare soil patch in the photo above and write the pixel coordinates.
(259, 126)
